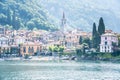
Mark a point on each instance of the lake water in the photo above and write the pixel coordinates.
(58, 70)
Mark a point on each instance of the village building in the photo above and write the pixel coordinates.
(107, 41)
(30, 48)
(4, 44)
(19, 40)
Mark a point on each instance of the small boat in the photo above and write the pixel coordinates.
(65, 58)
(30, 57)
(73, 58)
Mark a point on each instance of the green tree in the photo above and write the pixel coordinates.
(94, 36)
(3, 19)
(94, 30)
(80, 40)
(79, 52)
(31, 25)
(17, 14)
(97, 40)
(51, 48)
(84, 47)
(101, 30)
(101, 27)
(55, 49)
(61, 49)
(87, 41)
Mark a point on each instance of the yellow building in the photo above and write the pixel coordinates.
(30, 48)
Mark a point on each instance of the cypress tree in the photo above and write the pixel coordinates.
(94, 36)
(80, 40)
(94, 30)
(97, 40)
(101, 27)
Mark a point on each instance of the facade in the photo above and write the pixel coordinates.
(19, 40)
(107, 41)
(4, 41)
(30, 48)
(71, 40)
(30, 42)
(4, 44)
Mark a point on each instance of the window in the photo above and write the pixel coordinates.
(105, 48)
(29, 50)
(1, 42)
(108, 47)
(105, 38)
(38, 49)
(32, 50)
(105, 43)
(24, 49)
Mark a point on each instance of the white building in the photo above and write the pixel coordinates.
(107, 41)
(2, 30)
(19, 40)
(4, 41)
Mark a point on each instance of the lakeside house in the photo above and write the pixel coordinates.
(107, 41)
(30, 42)
(4, 44)
(19, 40)
(30, 48)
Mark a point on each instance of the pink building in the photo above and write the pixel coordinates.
(107, 41)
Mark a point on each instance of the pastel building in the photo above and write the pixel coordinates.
(107, 41)
(19, 40)
(30, 48)
(4, 44)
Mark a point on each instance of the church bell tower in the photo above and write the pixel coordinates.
(63, 22)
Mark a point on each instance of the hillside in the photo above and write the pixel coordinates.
(82, 13)
(46, 14)
(24, 14)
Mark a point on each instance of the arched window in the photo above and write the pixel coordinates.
(105, 43)
(105, 47)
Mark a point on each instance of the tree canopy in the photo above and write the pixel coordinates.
(24, 14)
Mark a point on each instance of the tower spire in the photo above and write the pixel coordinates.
(63, 22)
(63, 15)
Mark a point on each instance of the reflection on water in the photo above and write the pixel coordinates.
(63, 70)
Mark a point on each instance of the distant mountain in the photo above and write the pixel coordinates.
(28, 14)
(47, 14)
(82, 13)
